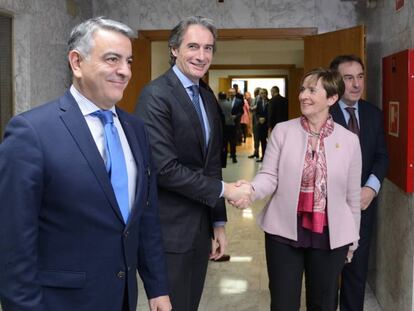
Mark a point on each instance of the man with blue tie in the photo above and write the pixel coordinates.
(79, 212)
(366, 121)
(181, 114)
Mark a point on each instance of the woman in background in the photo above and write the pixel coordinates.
(245, 118)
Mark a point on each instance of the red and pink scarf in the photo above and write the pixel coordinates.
(313, 191)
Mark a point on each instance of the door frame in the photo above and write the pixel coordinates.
(141, 68)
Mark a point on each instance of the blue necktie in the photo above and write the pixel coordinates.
(115, 162)
(196, 103)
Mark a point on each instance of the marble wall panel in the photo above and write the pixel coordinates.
(41, 29)
(327, 15)
(391, 274)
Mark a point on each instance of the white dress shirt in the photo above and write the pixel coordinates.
(97, 130)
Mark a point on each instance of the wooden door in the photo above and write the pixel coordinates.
(319, 50)
(295, 77)
(224, 84)
(141, 72)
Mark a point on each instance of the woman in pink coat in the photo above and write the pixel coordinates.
(245, 118)
(312, 171)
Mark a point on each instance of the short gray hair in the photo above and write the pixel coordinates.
(177, 34)
(81, 35)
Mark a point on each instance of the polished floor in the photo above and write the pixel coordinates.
(242, 283)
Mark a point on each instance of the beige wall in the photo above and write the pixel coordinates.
(245, 52)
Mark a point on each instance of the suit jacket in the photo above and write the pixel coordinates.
(189, 173)
(63, 242)
(262, 112)
(226, 108)
(371, 137)
(277, 111)
(281, 176)
(237, 109)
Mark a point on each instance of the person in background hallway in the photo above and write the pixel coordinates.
(262, 115)
(75, 220)
(229, 132)
(245, 118)
(237, 102)
(366, 121)
(237, 110)
(255, 123)
(311, 170)
(278, 108)
(223, 153)
(184, 127)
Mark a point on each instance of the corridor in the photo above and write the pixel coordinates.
(242, 284)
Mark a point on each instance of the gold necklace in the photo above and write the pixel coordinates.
(314, 134)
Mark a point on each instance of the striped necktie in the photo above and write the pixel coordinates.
(352, 122)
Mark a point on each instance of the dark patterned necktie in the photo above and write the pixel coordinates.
(196, 103)
(352, 122)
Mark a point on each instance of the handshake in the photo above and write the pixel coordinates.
(239, 194)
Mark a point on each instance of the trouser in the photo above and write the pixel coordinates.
(244, 131)
(187, 271)
(256, 138)
(354, 275)
(230, 139)
(286, 264)
(262, 131)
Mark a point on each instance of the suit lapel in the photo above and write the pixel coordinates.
(184, 100)
(363, 124)
(78, 128)
(337, 115)
(211, 109)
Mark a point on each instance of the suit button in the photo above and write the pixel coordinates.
(129, 268)
(148, 203)
(121, 274)
(126, 233)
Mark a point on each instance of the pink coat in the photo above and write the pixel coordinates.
(245, 118)
(281, 176)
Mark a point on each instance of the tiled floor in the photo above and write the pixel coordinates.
(241, 284)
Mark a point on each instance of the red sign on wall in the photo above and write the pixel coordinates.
(399, 4)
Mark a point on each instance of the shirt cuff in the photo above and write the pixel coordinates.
(374, 183)
(222, 189)
(219, 224)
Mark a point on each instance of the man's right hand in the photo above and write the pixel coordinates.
(238, 194)
(161, 303)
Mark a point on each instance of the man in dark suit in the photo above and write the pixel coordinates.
(366, 121)
(229, 127)
(278, 108)
(71, 236)
(236, 105)
(262, 115)
(255, 123)
(180, 112)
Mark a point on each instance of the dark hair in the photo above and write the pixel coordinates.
(345, 59)
(177, 33)
(275, 89)
(222, 95)
(331, 81)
